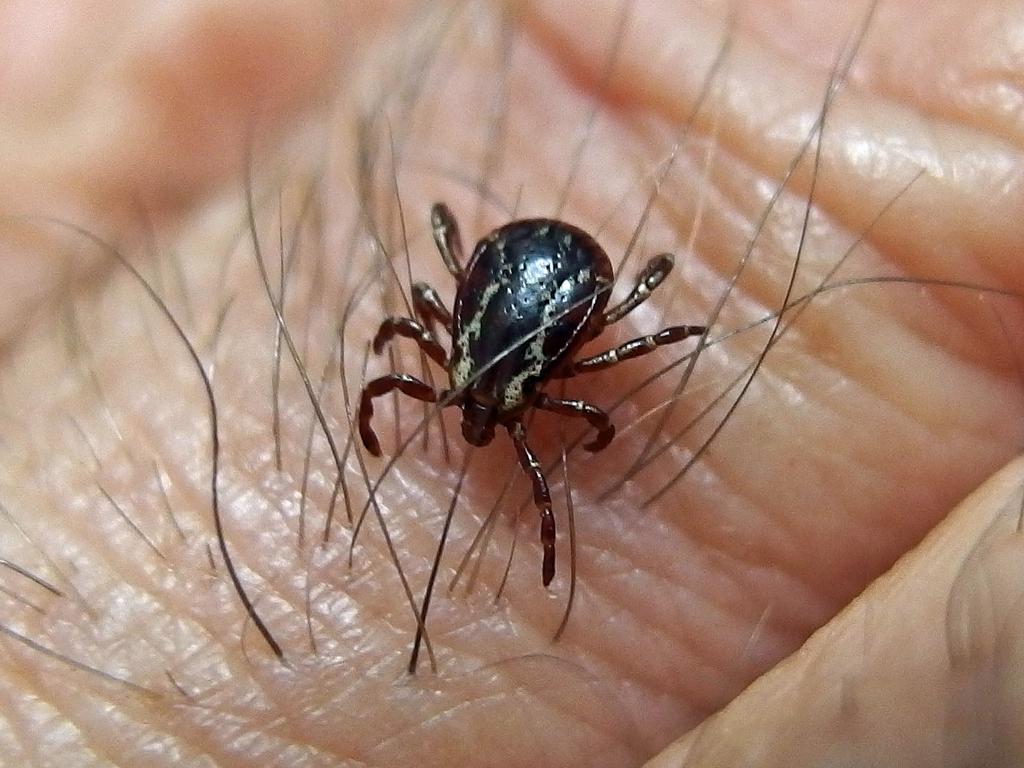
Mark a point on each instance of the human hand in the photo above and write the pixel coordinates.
(881, 408)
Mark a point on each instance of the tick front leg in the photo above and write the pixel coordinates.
(404, 326)
(407, 385)
(541, 498)
(448, 240)
(636, 348)
(429, 308)
(651, 277)
(598, 419)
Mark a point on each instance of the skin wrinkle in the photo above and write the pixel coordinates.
(719, 602)
(63, 700)
(650, 678)
(17, 727)
(787, 551)
(942, 562)
(772, 533)
(740, 568)
(946, 96)
(146, 578)
(828, 196)
(705, 678)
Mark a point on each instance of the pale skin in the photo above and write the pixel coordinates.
(868, 425)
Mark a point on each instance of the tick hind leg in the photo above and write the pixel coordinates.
(598, 419)
(635, 348)
(407, 385)
(541, 499)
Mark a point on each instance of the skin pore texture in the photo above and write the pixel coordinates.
(831, 503)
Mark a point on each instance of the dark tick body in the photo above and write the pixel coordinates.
(531, 290)
(534, 292)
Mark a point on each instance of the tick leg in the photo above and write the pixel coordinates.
(541, 498)
(636, 348)
(449, 242)
(651, 277)
(429, 307)
(598, 419)
(408, 385)
(404, 326)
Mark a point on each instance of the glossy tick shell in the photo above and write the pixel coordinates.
(538, 280)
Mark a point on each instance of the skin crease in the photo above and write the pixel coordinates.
(881, 410)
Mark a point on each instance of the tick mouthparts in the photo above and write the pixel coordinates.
(478, 423)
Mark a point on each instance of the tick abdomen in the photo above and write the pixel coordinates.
(530, 292)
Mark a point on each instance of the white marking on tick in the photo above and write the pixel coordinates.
(462, 371)
(554, 303)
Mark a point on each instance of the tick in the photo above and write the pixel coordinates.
(534, 292)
